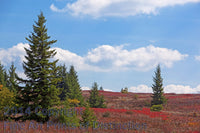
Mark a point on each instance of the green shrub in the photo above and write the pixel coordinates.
(65, 115)
(125, 90)
(88, 118)
(7, 99)
(156, 107)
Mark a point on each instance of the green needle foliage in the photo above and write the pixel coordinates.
(39, 88)
(63, 83)
(12, 78)
(7, 99)
(101, 88)
(3, 76)
(158, 90)
(125, 90)
(88, 117)
(74, 90)
(95, 100)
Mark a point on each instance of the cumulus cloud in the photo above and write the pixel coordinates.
(140, 89)
(142, 59)
(14, 54)
(178, 89)
(105, 58)
(122, 8)
(70, 58)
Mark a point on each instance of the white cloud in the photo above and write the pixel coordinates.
(55, 9)
(14, 54)
(197, 58)
(105, 57)
(21, 74)
(70, 58)
(142, 59)
(178, 89)
(140, 89)
(107, 89)
(122, 8)
(87, 88)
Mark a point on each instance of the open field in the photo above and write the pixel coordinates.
(128, 113)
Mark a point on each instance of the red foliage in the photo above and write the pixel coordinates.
(144, 111)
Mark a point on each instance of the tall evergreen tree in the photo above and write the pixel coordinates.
(6, 79)
(63, 83)
(74, 89)
(95, 100)
(12, 78)
(158, 90)
(39, 89)
(2, 75)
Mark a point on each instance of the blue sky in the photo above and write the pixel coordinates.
(116, 43)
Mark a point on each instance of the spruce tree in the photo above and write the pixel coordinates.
(95, 100)
(101, 88)
(2, 75)
(158, 90)
(74, 89)
(12, 78)
(6, 79)
(39, 88)
(63, 83)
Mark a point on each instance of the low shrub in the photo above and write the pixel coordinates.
(156, 107)
(7, 99)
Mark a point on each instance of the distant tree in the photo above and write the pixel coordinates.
(73, 87)
(63, 83)
(12, 78)
(101, 102)
(6, 78)
(101, 88)
(125, 90)
(95, 100)
(2, 75)
(158, 90)
(39, 88)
